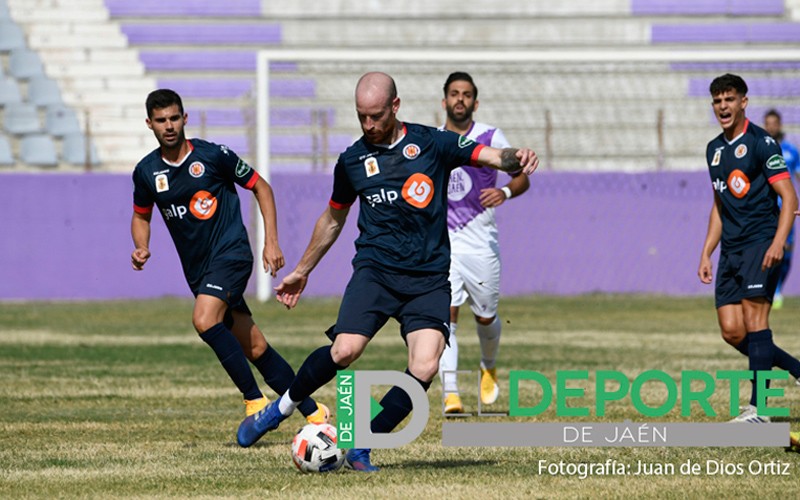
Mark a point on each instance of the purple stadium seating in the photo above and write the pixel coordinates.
(770, 87)
(726, 32)
(207, 60)
(236, 87)
(285, 117)
(707, 7)
(202, 34)
(286, 145)
(740, 66)
(183, 8)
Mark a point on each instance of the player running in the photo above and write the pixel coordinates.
(192, 183)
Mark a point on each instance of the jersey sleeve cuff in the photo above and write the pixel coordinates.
(142, 210)
(339, 206)
(252, 182)
(779, 177)
(475, 152)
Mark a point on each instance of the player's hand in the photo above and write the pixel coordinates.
(492, 197)
(288, 292)
(527, 160)
(139, 258)
(272, 257)
(773, 257)
(705, 270)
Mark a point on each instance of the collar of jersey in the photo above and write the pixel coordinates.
(746, 124)
(180, 162)
(395, 143)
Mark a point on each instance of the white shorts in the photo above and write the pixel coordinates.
(475, 278)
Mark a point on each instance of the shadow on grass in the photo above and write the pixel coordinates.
(446, 464)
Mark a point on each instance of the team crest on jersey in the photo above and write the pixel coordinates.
(242, 168)
(738, 183)
(717, 157)
(776, 162)
(371, 166)
(418, 190)
(464, 141)
(741, 150)
(411, 151)
(203, 205)
(162, 183)
(197, 169)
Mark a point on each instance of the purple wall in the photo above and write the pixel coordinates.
(68, 236)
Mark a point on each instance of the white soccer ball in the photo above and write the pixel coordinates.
(314, 449)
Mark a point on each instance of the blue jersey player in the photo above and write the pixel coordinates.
(192, 183)
(399, 172)
(774, 126)
(748, 173)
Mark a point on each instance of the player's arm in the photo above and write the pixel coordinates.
(271, 256)
(140, 232)
(713, 236)
(508, 159)
(494, 197)
(326, 231)
(785, 190)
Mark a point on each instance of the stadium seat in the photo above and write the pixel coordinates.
(73, 150)
(21, 118)
(61, 120)
(6, 155)
(43, 91)
(9, 91)
(4, 14)
(39, 150)
(25, 64)
(11, 36)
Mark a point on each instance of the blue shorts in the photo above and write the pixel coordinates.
(374, 295)
(227, 280)
(739, 276)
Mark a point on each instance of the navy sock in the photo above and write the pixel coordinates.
(317, 370)
(781, 358)
(761, 353)
(396, 406)
(279, 376)
(232, 358)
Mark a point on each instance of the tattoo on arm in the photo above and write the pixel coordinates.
(508, 160)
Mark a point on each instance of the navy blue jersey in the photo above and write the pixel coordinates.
(198, 201)
(403, 193)
(741, 172)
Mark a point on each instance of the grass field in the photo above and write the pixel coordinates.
(121, 399)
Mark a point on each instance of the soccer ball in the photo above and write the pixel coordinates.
(314, 449)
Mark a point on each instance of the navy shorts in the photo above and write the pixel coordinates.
(739, 276)
(374, 295)
(227, 280)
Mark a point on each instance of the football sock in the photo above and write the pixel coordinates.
(489, 336)
(760, 353)
(317, 370)
(231, 356)
(449, 362)
(781, 358)
(279, 376)
(396, 406)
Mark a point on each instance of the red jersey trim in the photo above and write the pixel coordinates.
(252, 182)
(746, 124)
(779, 177)
(142, 210)
(475, 152)
(339, 206)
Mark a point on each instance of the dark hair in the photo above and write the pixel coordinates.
(460, 76)
(162, 98)
(772, 112)
(728, 82)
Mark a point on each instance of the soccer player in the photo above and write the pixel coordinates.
(774, 126)
(474, 247)
(748, 173)
(193, 184)
(399, 172)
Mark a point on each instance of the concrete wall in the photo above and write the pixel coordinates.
(68, 236)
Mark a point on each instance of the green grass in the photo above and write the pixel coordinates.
(121, 399)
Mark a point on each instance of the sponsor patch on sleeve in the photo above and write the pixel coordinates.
(242, 168)
(776, 162)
